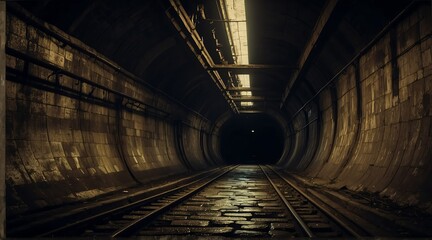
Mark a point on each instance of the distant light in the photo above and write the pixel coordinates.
(252, 130)
(246, 104)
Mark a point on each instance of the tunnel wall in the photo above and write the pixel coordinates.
(376, 131)
(214, 141)
(79, 127)
(2, 118)
(299, 138)
(311, 135)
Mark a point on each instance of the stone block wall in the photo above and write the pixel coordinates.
(383, 132)
(346, 126)
(298, 142)
(68, 140)
(2, 118)
(327, 126)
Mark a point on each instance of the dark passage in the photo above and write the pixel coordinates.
(251, 139)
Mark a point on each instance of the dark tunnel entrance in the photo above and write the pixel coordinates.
(251, 139)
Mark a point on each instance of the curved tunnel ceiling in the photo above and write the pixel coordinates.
(138, 36)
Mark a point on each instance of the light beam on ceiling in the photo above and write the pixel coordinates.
(234, 12)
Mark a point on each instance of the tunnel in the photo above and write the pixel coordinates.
(105, 103)
(256, 139)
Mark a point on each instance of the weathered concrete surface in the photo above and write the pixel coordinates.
(65, 148)
(2, 118)
(390, 152)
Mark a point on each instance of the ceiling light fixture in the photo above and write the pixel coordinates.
(234, 12)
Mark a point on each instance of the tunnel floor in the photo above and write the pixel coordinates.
(233, 202)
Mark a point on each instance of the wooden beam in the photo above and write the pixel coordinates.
(320, 26)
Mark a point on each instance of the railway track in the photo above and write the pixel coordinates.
(251, 201)
(314, 219)
(122, 219)
(240, 201)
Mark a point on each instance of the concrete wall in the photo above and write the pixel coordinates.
(69, 140)
(380, 141)
(2, 118)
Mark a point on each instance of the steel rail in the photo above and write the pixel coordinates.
(132, 227)
(296, 216)
(88, 220)
(329, 214)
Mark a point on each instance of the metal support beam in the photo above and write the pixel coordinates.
(320, 26)
(222, 20)
(233, 67)
(183, 24)
(244, 89)
(250, 111)
(254, 99)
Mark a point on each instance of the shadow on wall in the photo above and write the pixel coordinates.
(251, 139)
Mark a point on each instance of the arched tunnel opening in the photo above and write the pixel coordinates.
(216, 118)
(254, 139)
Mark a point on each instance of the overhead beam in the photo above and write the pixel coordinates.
(247, 89)
(244, 89)
(250, 111)
(233, 67)
(254, 99)
(222, 20)
(320, 27)
(187, 30)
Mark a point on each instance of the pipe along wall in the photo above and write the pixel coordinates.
(373, 131)
(78, 127)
